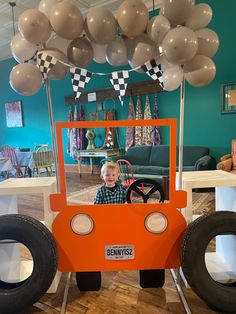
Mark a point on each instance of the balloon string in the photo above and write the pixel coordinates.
(71, 65)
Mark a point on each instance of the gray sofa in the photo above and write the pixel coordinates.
(152, 161)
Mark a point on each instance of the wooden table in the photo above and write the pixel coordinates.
(223, 181)
(105, 153)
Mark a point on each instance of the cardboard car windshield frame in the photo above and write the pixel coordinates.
(171, 123)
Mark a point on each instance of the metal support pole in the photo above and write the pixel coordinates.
(180, 292)
(54, 139)
(181, 146)
(181, 133)
(65, 296)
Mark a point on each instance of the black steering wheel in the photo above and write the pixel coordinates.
(137, 186)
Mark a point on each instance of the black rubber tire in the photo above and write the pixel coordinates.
(199, 233)
(136, 183)
(16, 297)
(89, 281)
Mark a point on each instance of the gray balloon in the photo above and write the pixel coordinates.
(80, 52)
(116, 53)
(26, 79)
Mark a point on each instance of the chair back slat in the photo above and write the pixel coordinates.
(126, 170)
(43, 157)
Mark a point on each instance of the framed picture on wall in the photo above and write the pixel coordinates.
(14, 116)
(228, 103)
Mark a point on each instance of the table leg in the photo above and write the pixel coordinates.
(79, 165)
(29, 172)
(165, 186)
(91, 165)
(9, 253)
(187, 212)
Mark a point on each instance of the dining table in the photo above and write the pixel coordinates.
(6, 166)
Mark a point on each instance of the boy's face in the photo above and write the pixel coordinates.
(110, 177)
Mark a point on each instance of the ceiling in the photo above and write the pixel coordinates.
(6, 17)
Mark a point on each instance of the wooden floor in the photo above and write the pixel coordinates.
(120, 292)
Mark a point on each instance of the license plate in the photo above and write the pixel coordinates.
(119, 252)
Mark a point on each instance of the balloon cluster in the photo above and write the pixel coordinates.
(177, 38)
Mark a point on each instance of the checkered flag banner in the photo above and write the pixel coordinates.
(45, 63)
(79, 78)
(32, 59)
(154, 71)
(119, 80)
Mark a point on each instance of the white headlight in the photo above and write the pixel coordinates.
(156, 222)
(82, 224)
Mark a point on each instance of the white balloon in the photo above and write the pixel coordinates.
(45, 6)
(172, 78)
(99, 53)
(200, 16)
(55, 41)
(60, 69)
(26, 79)
(143, 49)
(157, 28)
(22, 50)
(200, 71)
(165, 64)
(177, 11)
(34, 26)
(180, 45)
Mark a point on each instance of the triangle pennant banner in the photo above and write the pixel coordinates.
(32, 59)
(119, 80)
(79, 78)
(153, 69)
(45, 63)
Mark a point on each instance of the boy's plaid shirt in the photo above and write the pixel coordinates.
(106, 196)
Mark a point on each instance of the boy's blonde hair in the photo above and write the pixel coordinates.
(110, 165)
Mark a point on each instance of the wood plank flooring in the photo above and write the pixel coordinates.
(120, 292)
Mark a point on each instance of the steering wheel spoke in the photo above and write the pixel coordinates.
(134, 187)
(138, 191)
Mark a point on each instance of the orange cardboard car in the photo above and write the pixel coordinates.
(94, 238)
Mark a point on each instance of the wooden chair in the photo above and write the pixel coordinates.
(9, 152)
(37, 146)
(43, 159)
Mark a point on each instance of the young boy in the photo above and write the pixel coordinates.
(111, 192)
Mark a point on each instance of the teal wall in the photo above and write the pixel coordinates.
(204, 123)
